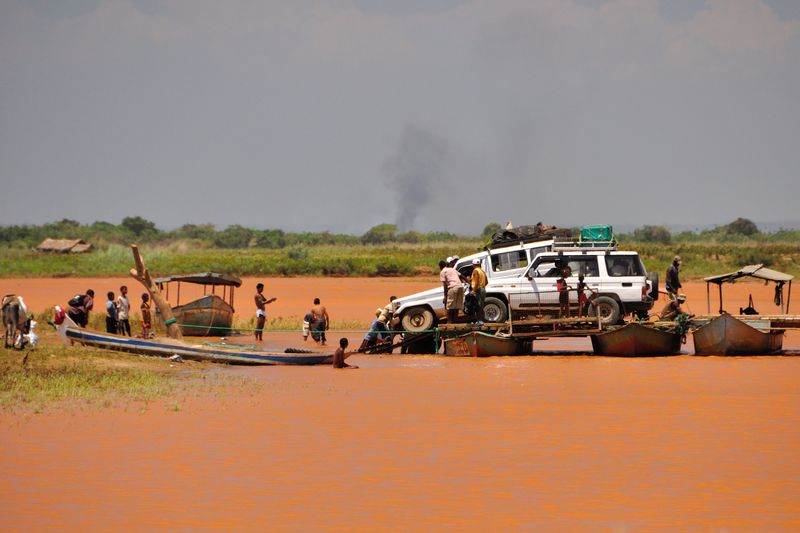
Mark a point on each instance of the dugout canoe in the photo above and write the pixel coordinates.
(211, 315)
(636, 340)
(480, 344)
(728, 335)
(163, 347)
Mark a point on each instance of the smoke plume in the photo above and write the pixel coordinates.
(414, 171)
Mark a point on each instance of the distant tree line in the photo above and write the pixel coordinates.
(740, 230)
(138, 229)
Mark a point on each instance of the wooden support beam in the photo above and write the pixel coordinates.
(142, 275)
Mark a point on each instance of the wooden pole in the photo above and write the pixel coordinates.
(142, 275)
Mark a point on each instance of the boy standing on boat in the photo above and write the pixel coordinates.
(563, 293)
(261, 310)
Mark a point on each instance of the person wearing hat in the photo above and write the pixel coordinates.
(477, 284)
(673, 282)
(673, 308)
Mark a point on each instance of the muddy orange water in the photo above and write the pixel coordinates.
(422, 443)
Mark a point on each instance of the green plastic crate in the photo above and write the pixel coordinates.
(600, 233)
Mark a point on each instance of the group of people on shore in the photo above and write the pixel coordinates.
(118, 311)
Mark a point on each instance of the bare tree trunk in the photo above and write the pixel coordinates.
(142, 275)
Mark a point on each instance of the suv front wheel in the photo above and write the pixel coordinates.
(417, 319)
(494, 310)
(608, 308)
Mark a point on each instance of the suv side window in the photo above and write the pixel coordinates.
(546, 268)
(585, 264)
(509, 260)
(624, 265)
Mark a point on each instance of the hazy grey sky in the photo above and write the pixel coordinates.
(436, 114)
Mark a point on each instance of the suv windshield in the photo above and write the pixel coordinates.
(624, 265)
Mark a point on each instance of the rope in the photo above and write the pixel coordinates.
(226, 328)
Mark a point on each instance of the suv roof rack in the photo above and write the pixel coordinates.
(517, 242)
(585, 246)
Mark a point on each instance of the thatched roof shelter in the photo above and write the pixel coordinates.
(65, 246)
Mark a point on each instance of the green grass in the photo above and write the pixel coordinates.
(706, 259)
(76, 376)
(357, 260)
(700, 259)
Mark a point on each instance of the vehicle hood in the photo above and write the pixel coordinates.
(418, 296)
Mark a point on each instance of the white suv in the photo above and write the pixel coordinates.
(522, 280)
(618, 281)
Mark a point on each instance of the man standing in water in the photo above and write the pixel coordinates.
(673, 281)
(261, 310)
(320, 323)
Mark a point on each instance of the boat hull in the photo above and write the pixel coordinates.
(209, 316)
(727, 335)
(479, 344)
(170, 347)
(636, 340)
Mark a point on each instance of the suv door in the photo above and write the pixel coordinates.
(538, 286)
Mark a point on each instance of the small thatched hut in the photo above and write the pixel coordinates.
(65, 246)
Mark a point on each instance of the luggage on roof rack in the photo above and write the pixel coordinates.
(528, 234)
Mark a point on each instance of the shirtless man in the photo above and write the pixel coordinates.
(321, 322)
(261, 310)
(338, 355)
